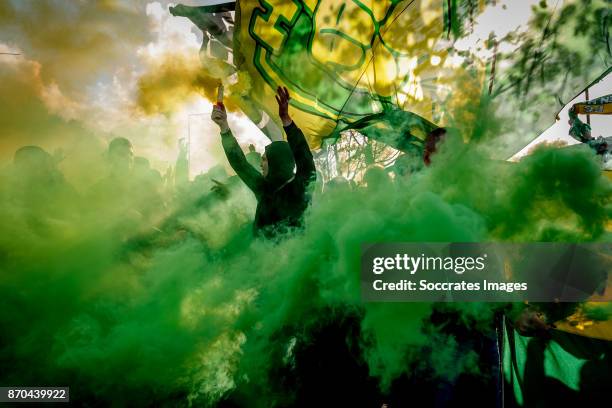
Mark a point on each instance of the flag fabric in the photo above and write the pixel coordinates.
(564, 370)
(346, 61)
(216, 21)
(402, 130)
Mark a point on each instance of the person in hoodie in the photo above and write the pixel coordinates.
(281, 189)
(432, 142)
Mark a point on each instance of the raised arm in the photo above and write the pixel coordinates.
(247, 173)
(304, 162)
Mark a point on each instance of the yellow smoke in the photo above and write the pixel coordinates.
(75, 41)
(175, 78)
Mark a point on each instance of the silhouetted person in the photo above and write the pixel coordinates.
(120, 157)
(119, 195)
(338, 183)
(148, 184)
(281, 193)
(38, 188)
(532, 322)
(432, 142)
(253, 157)
(35, 166)
(118, 185)
(407, 164)
(143, 171)
(582, 132)
(376, 178)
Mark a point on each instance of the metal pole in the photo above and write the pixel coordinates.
(189, 137)
(188, 144)
(586, 93)
(492, 77)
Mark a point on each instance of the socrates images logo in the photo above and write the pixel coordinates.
(339, 56)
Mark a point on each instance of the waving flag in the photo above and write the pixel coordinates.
(217, 25)
(345, 63)
(348, 63)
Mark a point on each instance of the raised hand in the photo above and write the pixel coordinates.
(220, 189)
(282, 98)
(219, 116)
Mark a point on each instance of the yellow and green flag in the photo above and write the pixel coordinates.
(348, 61)
(350, 64)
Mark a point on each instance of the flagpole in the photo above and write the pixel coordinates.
(586, 94)
(492, 77)
(189, 116)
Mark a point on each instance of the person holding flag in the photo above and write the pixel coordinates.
(281, 191)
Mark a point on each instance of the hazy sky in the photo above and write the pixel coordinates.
(601, 125)
(76, 80)
(508, 16)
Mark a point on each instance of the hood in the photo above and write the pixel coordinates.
(280, 162)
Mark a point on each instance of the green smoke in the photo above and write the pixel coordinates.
(178, 303)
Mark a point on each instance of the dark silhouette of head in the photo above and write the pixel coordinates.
(432, 142)
(376, 177)
(32, 155)
(141, 164)
(278, 163)
(338, 183)
(407, 164)
(120, 155)
(35, 164)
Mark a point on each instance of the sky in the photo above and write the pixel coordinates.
(559, 131)
(91, 71)
(503, 19)
(76, 81)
